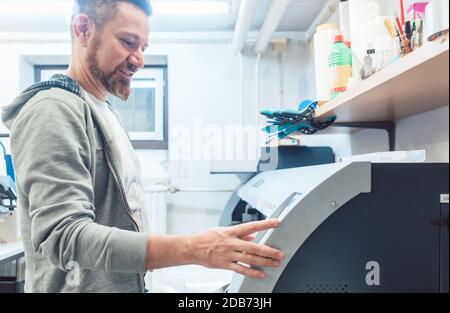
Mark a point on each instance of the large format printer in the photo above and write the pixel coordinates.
(350, 227)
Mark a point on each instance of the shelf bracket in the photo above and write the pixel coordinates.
(389, 127)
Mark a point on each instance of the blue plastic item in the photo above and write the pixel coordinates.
(9, 163)
(305, 104)
(283, 123)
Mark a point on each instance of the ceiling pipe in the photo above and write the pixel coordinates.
(257, 99)
(328, 10)
(223, 38)
(270, 25)
(257, 84)
(243, 24)
(242, 90)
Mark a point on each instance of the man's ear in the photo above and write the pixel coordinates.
(82, 28)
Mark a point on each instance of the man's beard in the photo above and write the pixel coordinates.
(115, 85)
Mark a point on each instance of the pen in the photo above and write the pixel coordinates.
(408, 33)
(399, 26)
(402, 35)
(402, 12)
(415, 36)
(408, 30)
(390, 27)
(420, 33)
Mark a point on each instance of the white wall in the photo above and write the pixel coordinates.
(427, 131)
(9, 63)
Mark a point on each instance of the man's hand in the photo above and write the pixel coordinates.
(226, 248)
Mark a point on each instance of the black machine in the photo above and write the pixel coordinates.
(349, 227)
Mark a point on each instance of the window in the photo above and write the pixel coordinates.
(145, 113)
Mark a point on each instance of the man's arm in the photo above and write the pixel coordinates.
(218, 248)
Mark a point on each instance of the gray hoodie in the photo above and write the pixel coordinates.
(78, 230)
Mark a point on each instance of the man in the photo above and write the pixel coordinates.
(78, 179)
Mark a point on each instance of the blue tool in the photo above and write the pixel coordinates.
(283, 123)
(9, 163)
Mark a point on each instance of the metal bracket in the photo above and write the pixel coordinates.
(389, 127)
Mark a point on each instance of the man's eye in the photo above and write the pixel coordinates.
(126, 42)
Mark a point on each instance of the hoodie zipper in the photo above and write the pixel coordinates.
(112, 166)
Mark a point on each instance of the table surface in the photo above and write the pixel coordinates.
(10, 251)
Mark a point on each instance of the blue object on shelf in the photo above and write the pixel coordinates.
(283, 123)
(305, 104)
(9, 163)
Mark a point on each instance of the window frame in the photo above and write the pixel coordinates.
(137, 144)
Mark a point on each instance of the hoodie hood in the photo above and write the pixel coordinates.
(11, 111)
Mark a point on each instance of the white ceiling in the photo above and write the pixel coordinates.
(299, 16)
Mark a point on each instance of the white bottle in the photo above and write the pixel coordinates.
(323, 41)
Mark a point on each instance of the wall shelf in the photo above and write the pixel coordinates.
(417, 83)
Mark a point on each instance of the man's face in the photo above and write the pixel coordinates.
(116, 51)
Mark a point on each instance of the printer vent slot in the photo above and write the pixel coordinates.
(327, 288)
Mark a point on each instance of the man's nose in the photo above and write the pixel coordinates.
(137, 59)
